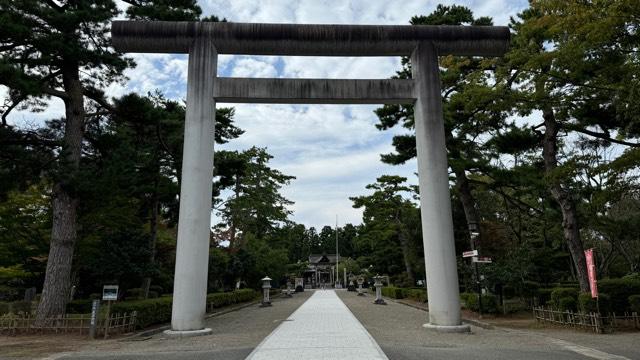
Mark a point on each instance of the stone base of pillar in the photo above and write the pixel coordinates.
(265, 304)
(187, 333)
(464, 328)
(380, 302)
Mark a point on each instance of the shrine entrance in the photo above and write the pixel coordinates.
(203, 41)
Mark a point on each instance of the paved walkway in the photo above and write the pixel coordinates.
(322, 328)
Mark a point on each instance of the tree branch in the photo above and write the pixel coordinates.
(603, 136)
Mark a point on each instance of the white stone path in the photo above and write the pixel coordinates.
(322, 328)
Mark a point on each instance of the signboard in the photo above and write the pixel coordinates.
(470, 253)
(110, 292)
(591, 270)
(481, 259)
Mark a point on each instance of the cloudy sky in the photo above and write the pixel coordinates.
(333, 150)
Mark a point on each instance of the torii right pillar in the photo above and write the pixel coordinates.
(435, 203)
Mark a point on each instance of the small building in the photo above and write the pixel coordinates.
(321, 270)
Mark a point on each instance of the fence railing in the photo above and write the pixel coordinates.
(588, 321)
(81, 324)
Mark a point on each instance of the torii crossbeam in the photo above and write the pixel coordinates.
(203, 41)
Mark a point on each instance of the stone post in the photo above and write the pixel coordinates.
(435, 203)
(194, 224)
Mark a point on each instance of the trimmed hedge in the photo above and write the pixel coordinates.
(80, 306)
(587, 304)
(489, 303)
(634, 303)
(158, 310)
(217, 300)
(558, 294)
(394, 292)
(416, 294)
(619, 290)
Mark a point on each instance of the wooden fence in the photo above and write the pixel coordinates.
(592, 321)
(63, 324)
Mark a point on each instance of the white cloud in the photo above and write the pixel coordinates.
(333, 150)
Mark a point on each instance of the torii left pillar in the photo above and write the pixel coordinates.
(194, 225)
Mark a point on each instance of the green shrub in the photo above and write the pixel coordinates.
(544, 295)
(587, 304)
(634, 303)
(21, 307)
(135, 294)
(217, 300)
(560, 293)
(619, 290)
(394, 292)
(566, 303)
(489, 303)
(80, 306)
(156, 288)
(158, 310)
(464, 299)
(5, 308)
(152, 294)
(530, 289)
(150, 311)
(419, 295)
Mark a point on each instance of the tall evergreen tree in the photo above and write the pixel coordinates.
(60, 49)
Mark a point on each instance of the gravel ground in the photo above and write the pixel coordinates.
(234, 336)
(398, 330)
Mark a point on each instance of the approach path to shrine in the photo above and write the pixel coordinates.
(322, 328)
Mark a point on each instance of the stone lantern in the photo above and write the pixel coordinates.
(378, 285)
(288, 293)
(360, 282)
(266, 285)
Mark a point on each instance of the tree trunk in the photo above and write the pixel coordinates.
(468, 203)
(153, 229)
(64, 203)
(406, 252)
(563, 197)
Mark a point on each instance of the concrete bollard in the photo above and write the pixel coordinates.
(266, 285)
(378, 285)
(360, 282)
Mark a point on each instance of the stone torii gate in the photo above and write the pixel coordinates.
(203, 41)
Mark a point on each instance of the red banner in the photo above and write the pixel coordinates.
(591, 270)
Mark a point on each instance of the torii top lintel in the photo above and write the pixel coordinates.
(307, 39)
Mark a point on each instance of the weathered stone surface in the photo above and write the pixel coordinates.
(313, 91)
(306, 39)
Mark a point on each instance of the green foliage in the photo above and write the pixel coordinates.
(229, 298)
(634, 303)
(563, 293)
(5, 307)
(158, 311)
(419, 295)
(394, 292)
(587, 304)
(619, 290)
(135, 294)
(79, 306)
(149, 311)
(544, 295)
(489, 303)
(566, 304)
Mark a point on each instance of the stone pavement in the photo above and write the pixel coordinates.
(398, 330)
(317, 328)
(322, 328)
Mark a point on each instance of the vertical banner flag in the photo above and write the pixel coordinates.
(591, 269)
